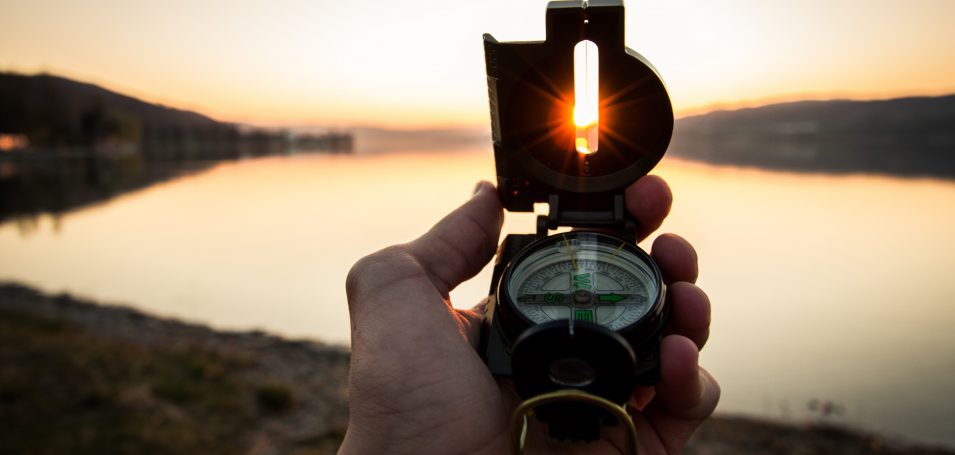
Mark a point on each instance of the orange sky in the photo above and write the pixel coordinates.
(419, 63)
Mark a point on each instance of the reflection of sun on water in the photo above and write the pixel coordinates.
(823, 287)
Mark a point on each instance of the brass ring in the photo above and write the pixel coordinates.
(518, 424)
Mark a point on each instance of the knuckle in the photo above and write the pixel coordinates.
(367, 269)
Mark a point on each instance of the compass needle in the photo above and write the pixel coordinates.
(617, 251)
(570, 252)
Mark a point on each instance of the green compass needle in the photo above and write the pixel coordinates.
(612, 298)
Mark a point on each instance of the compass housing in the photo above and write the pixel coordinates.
(592, 354)
(639, 303)
(531, 95)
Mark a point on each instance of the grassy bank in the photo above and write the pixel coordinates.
(80, 378)
(77, 377)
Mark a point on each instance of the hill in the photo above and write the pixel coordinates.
(59, 114)
(55, 113)
(65, 144)
(29, 100)
(904, 136)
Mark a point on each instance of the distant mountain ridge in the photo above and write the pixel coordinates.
(57, 112)
(912, 136)
(840, 114)
(903, 136)
(65, 144)
(35, 94)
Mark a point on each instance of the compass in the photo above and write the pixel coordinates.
(580, 310)
(584, 277)
(575, 317)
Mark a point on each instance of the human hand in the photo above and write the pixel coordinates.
(417, 384)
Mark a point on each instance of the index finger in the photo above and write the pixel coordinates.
(648, 201)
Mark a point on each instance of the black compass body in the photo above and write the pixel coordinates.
(583, 309)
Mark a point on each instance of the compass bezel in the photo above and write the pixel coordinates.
(514, 322)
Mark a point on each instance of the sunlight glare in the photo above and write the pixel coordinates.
(586, 96)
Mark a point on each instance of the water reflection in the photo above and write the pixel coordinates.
(57, 184)
(833, 289)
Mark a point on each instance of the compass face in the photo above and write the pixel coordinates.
(584, 276)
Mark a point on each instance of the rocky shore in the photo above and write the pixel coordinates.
(78, 377)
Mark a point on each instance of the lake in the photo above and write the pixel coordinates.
(826, 288)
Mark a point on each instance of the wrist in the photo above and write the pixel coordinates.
(378, 441)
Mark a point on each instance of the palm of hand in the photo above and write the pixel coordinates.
(417, 384)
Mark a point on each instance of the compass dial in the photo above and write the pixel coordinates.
(584, 276)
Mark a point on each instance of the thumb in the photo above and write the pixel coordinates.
(461, 243)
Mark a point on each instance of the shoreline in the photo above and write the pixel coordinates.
(112, 377)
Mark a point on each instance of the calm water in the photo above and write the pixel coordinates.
(824, 287)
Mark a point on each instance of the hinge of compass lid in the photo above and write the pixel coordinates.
(578, 211)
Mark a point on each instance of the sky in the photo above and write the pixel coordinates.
(420, 63)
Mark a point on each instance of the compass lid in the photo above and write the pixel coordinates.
(531, 89)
